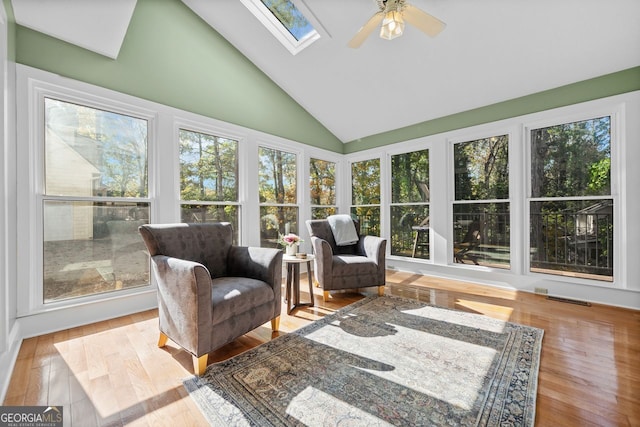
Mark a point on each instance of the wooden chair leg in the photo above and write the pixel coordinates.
(275, 324)
(381, 290)
(200, 364)
(325, 295)
(162, 341)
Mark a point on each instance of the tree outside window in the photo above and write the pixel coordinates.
(208, 179)
(570, 206)
(277, 190)
(365, 195)
(481, 223)
(95, 197)
(410, 204)
(322, 188)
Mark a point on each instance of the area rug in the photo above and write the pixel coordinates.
(380, 361)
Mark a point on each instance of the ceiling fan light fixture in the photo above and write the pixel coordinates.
(392, 25)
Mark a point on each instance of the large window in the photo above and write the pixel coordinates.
(410, 204)
(95, 197)
(278, 195)
(209, 178)
(365, 195)
(571, 208)
(481, 225)
(322, 188)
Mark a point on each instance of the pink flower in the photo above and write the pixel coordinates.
(290, 239)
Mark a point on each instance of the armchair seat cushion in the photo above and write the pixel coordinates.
(353, 265)
(232, 296)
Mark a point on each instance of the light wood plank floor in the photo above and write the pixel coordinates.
(112, 373)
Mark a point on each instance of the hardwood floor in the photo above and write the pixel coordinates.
(112, 373)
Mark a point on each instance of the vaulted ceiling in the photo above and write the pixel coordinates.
(490, 51)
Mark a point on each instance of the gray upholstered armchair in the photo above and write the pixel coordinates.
(210, 292)
(346, 267)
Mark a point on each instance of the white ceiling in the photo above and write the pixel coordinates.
(491, 51)
(99, 26)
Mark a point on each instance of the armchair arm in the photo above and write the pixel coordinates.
(184, 295)
(373, 247)
(257, 263)
(323, 264)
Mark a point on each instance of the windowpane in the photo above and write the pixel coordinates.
(481, 234)
(369, 218)
(573, 238)
(481, 230)
(290, 17)
(410, 230)
(277, 176)
(572, 159)
(322, 182)
(482, 169)
(276, 220)
(365, 185)
(365, 182)
(409, 207)
(90, 152)
(410, 177)
(208, 167)
(323, 213)
(195, 213)
(93, 247)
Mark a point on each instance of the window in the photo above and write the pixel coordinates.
(410, 204)
(209, 179)
(571, 208)
(365, 195)
(95, 197)
(278, 195)
(481, 224)
(285, 21)
(322, 188)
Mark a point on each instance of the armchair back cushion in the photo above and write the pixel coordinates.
(208, 245)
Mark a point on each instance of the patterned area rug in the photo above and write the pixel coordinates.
(381, 361)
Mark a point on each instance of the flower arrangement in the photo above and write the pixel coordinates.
(289, 239)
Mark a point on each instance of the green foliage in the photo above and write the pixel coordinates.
(322, 182)
(410, 177)
(208, 167)
(482, 169)
(365, 182)
(572, 159)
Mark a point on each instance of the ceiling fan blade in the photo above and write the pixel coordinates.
(426, 23)
(366, 29)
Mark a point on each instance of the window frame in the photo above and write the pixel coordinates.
(382, 190)
(617, 143)
(388, 189)
(336, 172)
(198, 127)
(279, 31)
(299, 188)
(31, 151)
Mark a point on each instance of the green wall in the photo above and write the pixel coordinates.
(172, 57)
(599, 87)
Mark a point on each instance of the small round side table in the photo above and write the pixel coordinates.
(293, 281)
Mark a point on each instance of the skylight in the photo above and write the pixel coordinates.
(285, 21)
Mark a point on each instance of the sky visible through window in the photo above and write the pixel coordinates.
(290, 17)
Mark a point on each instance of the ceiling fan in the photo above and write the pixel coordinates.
(392, 15)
